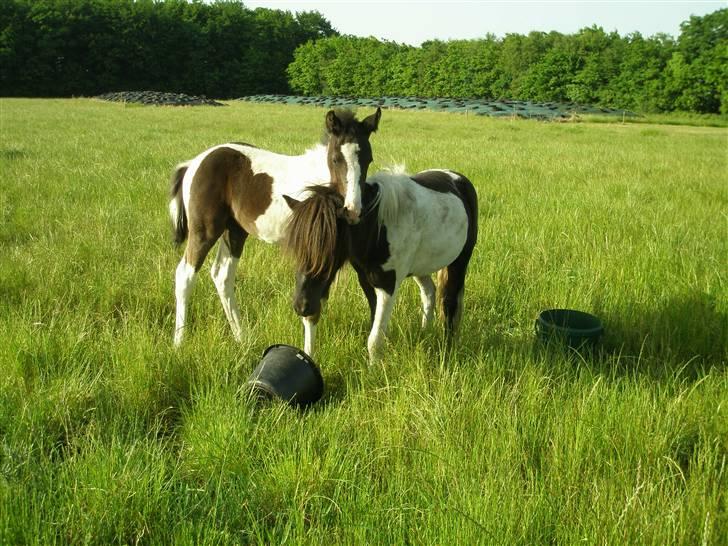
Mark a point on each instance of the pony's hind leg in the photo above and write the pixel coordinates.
(427, 295)
(451, 284)
(184, 280)
(197, 249)
(223, 274)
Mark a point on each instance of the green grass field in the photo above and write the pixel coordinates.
(108, 435)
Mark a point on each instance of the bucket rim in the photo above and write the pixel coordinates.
(549, 326)
(287, 346)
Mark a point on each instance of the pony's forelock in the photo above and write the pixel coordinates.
(311, 236)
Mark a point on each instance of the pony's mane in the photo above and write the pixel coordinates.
(392, 183)
(311, 233)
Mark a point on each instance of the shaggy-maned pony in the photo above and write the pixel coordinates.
(410, 226)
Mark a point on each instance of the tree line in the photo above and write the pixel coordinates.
(86, 47)
(647, 74)
(225, 50)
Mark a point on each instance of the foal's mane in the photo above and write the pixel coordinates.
(312, 231)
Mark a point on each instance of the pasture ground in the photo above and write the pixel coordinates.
(108, 435)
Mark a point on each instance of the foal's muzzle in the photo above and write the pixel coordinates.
(351, 216)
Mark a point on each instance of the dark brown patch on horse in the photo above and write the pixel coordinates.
(438, 181)
(225, 195)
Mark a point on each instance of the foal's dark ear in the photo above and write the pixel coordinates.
(333, 123)
(371, 123)
(292, 203)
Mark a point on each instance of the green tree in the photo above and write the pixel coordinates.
(696, 77)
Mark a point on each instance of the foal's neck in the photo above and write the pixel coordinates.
(365, 237)
(313, 165)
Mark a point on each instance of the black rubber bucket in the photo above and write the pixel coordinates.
(289, 374)
(575, 329)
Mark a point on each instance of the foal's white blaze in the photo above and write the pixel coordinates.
(352, 201)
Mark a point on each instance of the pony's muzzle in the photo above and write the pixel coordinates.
(351, 216)
(304, 307)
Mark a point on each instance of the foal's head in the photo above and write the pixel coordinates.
(349, 156)
(316, 238)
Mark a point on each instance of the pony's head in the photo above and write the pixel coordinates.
(349, 156)
(316, 238)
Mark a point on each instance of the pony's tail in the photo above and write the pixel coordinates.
(176, 204)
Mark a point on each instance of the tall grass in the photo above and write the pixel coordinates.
(108, 435)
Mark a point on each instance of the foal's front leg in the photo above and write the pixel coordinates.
(385, 304)
(309, 332)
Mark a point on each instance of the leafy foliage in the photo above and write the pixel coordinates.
(592, 66)
(86, 47)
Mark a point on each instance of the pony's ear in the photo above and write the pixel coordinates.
(292, 203)
(371, 123)
(333, 123)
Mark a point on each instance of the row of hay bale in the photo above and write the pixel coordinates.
(480, 107)
(157, 98)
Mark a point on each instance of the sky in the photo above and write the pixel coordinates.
(413, 22)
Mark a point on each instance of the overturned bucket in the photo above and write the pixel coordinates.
(287, 373)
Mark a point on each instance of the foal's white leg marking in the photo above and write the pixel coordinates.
(184, 281)
(385, 304)
(223, 275)
(352, 201)
(309, 334)
(427, 294)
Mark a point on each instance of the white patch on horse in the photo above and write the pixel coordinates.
(414, 216)
(184, 282)
(382, 314)
(174, 211)
(223, 276)
(427, 295)
(309, 334)
(352, 201)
